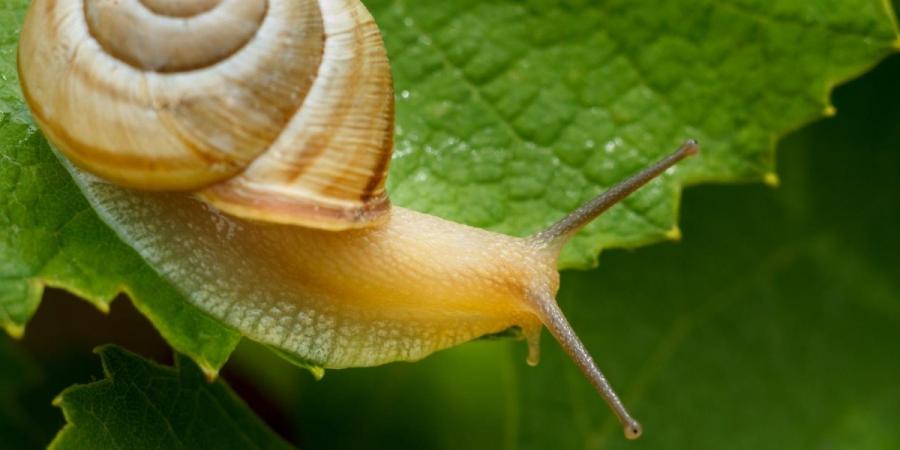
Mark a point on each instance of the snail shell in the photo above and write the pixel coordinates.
(272, 110)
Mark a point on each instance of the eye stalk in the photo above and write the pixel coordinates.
(559, 233)
(554, 238)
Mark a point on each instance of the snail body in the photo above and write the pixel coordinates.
(241, 147)
(348, 299)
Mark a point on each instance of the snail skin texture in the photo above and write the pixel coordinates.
(241, 147)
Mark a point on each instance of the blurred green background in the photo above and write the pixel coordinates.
(774, 323)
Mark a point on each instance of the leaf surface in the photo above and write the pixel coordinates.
(50, 236)
(512, 113)
(770, 326)
(509, 114)
(774, 324)
(141, 405)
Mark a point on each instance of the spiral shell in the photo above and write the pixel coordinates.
(272, 110)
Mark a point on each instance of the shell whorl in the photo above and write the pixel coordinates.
(272, 110)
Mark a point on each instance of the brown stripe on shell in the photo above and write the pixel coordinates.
(87, 151)
(84, 150)
(375, 186)
(322, 141)
(340, 187)
(238, 200)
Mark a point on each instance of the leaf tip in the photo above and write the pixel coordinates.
(771, 179)
(829, 111)
(103, 349)
(14, 330)
(102, 307)
(209, 372)
(317, 372)
(674, 234)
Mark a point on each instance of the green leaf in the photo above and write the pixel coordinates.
(509, 114)
(12, 12)
(773, 325)
(141, 405)
(50, 236)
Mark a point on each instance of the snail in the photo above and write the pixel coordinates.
(241, 147)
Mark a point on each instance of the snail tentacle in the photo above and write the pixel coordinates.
(562, 231)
